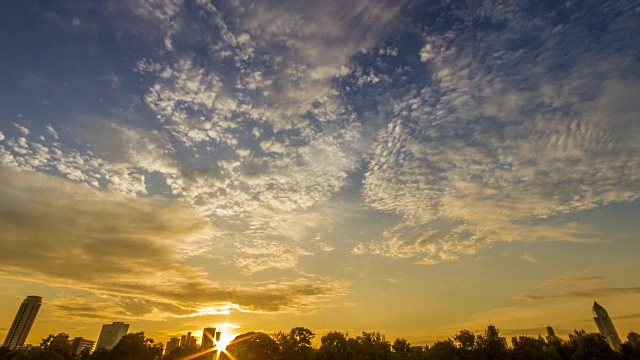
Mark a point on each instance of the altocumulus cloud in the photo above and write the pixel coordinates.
(494, 142)
(127, 249)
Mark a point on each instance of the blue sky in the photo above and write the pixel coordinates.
(326, 164)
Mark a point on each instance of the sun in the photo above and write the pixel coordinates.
(225, 339)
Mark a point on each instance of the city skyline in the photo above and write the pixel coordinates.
(110, 334)
(413, 167)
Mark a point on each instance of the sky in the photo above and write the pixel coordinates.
(408, 167)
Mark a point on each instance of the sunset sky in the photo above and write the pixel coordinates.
(408, 167)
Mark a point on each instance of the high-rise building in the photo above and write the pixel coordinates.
(208, 338)
(551, 335)
(605, 325)
(111, 334)
(79, 343)
(172, 344)
(22, 322)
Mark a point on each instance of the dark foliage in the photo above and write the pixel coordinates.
(297, 345)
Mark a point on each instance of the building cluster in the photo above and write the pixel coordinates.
(210, 337)
(111, 334)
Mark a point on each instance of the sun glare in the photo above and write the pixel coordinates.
(225, 339)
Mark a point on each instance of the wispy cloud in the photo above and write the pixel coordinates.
(564, 280)
(529, 258)
(598, 292)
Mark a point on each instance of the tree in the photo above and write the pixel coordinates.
(401, 347)
(334, 346)
(53, 347)
(252, 346)
(296, 344)
(134, 346)
(371, 345)
(465, 339)
(182, 352)
(587, 346)
(527, 348)
(442, 350)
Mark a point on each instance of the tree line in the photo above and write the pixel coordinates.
(297, 345)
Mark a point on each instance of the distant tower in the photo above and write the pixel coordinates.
(605, 325)
(111, 334)
(551, 335)
(22, 322)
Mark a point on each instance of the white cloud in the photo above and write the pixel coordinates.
(493, 152)
(22, 129)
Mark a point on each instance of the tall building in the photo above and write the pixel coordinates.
(22, 322)
(172, 344)
(79, 343)
(111, 334)
(208, 338)
(605, 325)
(551, 335)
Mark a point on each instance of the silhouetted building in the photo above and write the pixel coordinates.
(188, 341)
(111, 334)
(551, 335)
(79, 343)
(605, 325)
(22, 322)
(172, 344)
(208, 338)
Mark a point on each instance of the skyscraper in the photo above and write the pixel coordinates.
(605, 325)
(22, 322)
(208, 338)
(111, 334)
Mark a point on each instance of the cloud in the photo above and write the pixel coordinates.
(263, 112)
(270, 134)
(129, 249)
(628, 316)
(564, 280)
(529, 258)
(492, 151)
(598, 292)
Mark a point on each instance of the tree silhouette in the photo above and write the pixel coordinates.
(295, 345)
(135, 346)
(334, 346)
(252, 346)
